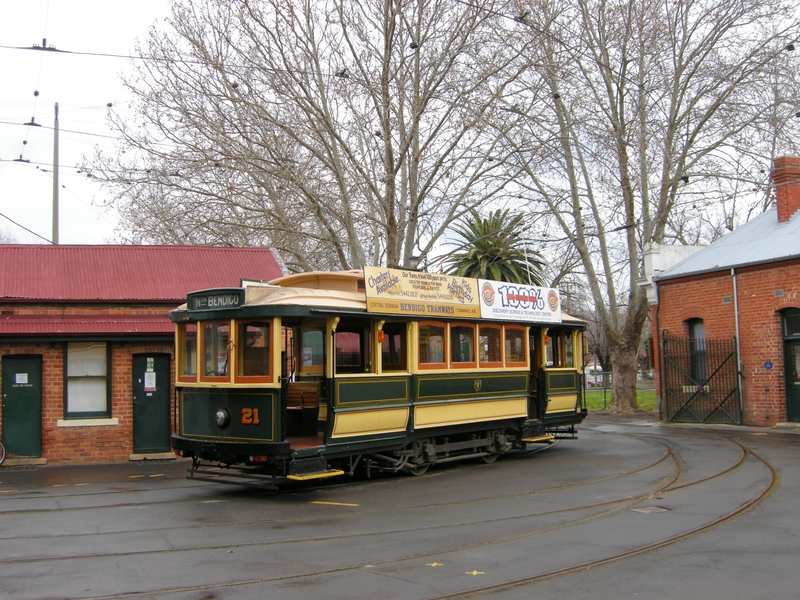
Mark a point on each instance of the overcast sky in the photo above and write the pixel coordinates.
(82, 86)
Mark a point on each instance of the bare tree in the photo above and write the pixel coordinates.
(340, 133)
(626, 122)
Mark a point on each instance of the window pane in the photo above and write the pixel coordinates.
(515, 345)
(792, 324)
(431, 344)
(489, 344)
(462, 344)
(568, 349)
(188, 349)
(348, 349)
(393, 347)
(312, 345)
(86, 395)
(86, 359)
(215, 348)
(254, 347)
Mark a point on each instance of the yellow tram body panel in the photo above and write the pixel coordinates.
(456, 413)
(558, 403)
(370, 422)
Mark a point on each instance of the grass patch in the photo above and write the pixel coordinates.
(598, 399)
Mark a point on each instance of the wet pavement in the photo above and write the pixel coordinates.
(632, 509)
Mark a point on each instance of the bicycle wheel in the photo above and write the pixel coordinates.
(2, 453)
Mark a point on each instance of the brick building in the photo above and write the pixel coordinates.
(726, 320)
(87, 346)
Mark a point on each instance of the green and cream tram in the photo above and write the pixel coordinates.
(317, 374)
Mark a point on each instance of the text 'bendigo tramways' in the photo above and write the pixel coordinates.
(396, 291)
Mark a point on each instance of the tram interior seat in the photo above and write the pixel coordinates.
(302, 405)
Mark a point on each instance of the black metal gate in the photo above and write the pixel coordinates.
(701, 381)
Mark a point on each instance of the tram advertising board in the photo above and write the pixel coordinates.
(397, 291)
(516, 302)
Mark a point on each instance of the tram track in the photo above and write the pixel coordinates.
(613, 506)
(665, 485)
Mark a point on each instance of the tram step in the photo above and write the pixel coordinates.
(541, 439)
(317, 475)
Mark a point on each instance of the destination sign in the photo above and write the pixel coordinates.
(219, 299)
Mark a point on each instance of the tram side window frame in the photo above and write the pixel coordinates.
(260, 350)
(187, 352)
(214, 344)
(432, 352)
(462, 345)
(486, 343)
(520, 333)
(360, 330)
(395, 339)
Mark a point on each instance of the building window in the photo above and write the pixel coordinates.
(791, 323)
(393, 347)
(87, 380)
(431, 345)
(698, 359)
(462, 345)
(253, 342)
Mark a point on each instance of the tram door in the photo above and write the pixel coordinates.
(535, 354)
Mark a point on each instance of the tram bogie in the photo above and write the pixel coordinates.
(312, 377)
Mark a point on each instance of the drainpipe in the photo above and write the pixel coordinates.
(738, 340)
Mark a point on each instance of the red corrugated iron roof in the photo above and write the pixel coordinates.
(126, 273)
(29, 325)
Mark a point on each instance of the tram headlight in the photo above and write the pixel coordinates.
(222, 417)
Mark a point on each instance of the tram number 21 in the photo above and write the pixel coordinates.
(250, 416)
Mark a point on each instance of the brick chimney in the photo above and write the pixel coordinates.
(786, 176)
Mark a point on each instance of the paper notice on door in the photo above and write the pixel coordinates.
(149, 382)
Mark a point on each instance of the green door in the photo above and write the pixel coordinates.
(22, 406)
(151, 417)
(793, 381)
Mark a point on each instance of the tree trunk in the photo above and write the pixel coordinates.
(626, 367)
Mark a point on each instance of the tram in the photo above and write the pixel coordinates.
(319, 374)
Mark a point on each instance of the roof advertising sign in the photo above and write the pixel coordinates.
(515, 302)
(397, 291)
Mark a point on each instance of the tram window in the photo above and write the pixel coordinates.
(311, 349)
(352, 348)
(569, 361)
(187, 348)
(489, 345)
(216, 336)
(554, 344)
(431, 345)
(393, 347)
(253, 342)
(515, 346)
(462, 345)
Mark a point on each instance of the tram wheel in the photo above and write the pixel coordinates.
(490, 458)
(417, 470)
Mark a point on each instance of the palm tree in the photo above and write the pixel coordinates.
(494, 249)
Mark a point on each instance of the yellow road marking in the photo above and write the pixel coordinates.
(157, 475)
(334, 503)
(434, 564)
(61, 484)
(135, 476)
(82, 484)
(7, 491)
(474, 573)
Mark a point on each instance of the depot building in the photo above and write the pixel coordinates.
(87, 347)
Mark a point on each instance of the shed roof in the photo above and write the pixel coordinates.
(126, 273)
(761, 241)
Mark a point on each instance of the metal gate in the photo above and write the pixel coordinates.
(701, 382)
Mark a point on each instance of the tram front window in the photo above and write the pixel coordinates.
(393, 347)
(215, 349)
(253, 342)
(187, 347)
